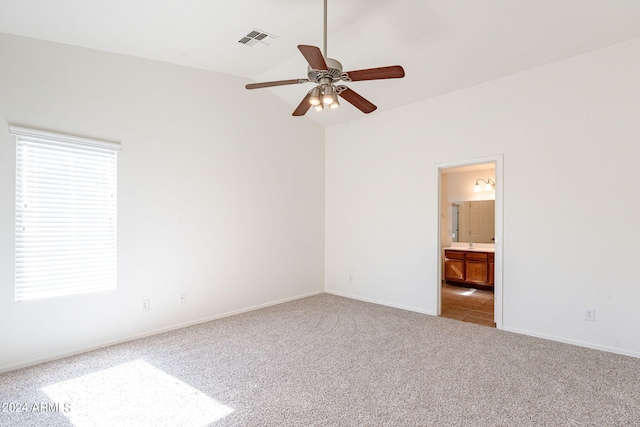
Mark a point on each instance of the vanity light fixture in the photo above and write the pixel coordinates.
(489, 184)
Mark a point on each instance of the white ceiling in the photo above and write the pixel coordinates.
(443, 45)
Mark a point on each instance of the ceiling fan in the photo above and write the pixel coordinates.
(326, 74)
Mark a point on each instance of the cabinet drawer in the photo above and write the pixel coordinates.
(454, 254)
(477, 256)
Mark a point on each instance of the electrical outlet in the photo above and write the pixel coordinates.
(351, 278)
(182, 298)
(145, 305)
(590, 314)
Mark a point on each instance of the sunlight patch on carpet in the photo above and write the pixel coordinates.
(135, 394)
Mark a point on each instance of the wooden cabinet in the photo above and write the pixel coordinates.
(454, 266)
(469, 267)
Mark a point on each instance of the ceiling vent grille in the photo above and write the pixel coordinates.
(257, 39)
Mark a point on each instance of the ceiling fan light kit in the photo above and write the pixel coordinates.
(314, 99)
(326, 73)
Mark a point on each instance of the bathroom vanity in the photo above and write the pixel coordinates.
(469, 266)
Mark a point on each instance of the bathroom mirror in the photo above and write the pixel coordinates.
(473, 221)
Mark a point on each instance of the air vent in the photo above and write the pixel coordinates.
(257, 39)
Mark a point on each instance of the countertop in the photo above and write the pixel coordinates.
(477, 247)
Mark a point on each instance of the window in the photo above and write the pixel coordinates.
(65, 214)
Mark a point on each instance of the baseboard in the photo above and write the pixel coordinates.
(374, 301)
(573, 342)
(507, 329)
(272, 303)
(150, 333)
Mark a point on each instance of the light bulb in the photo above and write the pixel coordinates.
(335, 104)
(328, 97)
(314, 98)
(319, 107)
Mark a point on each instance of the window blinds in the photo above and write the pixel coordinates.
(65, 214)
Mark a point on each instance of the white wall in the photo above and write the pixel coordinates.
(220, 196)
(570, 234)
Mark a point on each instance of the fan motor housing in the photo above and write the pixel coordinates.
(334, 72)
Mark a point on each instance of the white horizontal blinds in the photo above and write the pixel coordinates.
(65, 216)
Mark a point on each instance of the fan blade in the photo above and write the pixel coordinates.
(303, 107)
(314, 57)
(392, 72)
(356, 100)
(276, 83)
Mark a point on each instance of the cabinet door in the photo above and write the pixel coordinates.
(477, 272)
(453, 269)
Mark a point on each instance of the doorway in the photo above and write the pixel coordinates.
(480, 294)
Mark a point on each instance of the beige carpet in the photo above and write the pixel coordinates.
(328, 361)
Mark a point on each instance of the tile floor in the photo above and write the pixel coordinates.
(468, 304)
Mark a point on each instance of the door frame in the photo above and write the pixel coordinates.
(498, 287)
